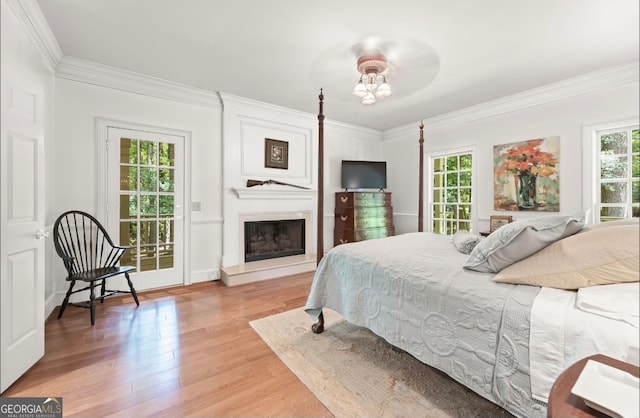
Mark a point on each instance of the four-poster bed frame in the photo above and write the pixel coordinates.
(318, 327)
(414, 290)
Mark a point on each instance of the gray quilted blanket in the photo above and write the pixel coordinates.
(412, 291)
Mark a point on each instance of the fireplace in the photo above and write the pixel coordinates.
(274, 238)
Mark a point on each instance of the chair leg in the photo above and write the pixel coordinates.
(92, 303)
(66, 299)
(133, 291)
(102, 290)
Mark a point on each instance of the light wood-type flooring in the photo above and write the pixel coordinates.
(186, 351)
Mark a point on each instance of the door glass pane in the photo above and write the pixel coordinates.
(147, 203)
(147, 153)
(166, 206)
(128, 206)
(166, 256)
(167, 154)
(148, 206)
(148, 179)
(128, 177)
(166, 180)
(148, 257)
(128, 151)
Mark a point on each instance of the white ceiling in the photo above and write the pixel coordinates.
(457, 53)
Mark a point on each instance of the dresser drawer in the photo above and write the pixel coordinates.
(355, 199)
(364, 212)
(348, 221)
(343, 236)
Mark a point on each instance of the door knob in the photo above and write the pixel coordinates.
(41, 233)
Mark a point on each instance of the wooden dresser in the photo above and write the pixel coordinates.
(362, 215)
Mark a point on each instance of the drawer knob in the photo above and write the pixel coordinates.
(343, 241)
(344, 218)
(344, 199)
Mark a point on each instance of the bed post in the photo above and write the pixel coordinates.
(421, 180)
(320, 243)
(318, 327)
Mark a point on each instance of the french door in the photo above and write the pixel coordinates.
(145, 200)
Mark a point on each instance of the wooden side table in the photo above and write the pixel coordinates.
(563, 403)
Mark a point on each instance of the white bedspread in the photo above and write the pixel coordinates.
(562, 333)
(411, 290)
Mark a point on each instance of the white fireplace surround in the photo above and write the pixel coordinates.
(276, 216)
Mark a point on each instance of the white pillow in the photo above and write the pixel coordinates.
(465, 241)
(517, 240)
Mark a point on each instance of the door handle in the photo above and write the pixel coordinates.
(41, 233)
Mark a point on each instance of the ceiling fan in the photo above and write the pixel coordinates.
(406, 66)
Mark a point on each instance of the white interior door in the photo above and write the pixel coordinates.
(21, 225)
(145, 187)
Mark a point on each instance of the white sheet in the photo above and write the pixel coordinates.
(615, 301)
(562, 334)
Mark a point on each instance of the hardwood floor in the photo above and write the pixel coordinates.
(186, 351)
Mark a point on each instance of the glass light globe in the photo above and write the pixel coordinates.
(383, 90)
(369, 99)
(360, 90)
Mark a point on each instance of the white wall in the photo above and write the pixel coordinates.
(246, 125)
(565, 118)
(77, 105)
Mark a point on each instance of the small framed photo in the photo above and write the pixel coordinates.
(497, 221)
(276, 153)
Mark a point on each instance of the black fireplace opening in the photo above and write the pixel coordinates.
(273, 239)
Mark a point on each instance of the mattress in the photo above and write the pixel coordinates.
(412, 291)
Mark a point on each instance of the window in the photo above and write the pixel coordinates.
(618, 165)
(452, 192)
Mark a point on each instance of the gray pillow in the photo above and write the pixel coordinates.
(518, 240)
(465, 241)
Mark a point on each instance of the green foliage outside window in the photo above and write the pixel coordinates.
(619, 174)
(452, 180)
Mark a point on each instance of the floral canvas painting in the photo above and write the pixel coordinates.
(526, 175)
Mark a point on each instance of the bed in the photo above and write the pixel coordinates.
(474, 309)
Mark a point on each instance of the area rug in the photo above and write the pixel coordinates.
(355, 373)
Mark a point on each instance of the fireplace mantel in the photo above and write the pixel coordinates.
(262, 192)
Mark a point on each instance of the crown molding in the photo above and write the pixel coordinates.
(230, 99)
(84, 71)
(561, 90)
(38, 31)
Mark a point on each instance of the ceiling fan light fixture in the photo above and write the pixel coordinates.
(372, 82)
(369, 99)
(360, 90)
(383, 89)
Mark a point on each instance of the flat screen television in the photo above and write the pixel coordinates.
(364, 174)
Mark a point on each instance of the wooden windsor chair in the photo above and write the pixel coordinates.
(90, 256)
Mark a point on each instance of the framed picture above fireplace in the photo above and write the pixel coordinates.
(276, 153)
